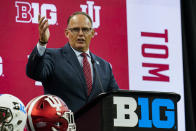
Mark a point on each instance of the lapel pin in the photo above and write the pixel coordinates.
(97, 62)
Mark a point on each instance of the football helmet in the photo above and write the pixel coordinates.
(49, 113)
(12, 113)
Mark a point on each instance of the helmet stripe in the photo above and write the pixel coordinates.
(30, 110)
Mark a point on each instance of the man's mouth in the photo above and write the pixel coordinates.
(80, 40)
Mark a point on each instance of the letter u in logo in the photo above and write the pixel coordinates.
(96, 23)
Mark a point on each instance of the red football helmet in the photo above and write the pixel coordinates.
(49, 113)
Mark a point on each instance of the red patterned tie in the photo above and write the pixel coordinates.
(87, 72)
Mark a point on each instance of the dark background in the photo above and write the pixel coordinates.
(188, 8)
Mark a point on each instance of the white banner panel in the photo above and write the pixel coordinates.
(155, 48)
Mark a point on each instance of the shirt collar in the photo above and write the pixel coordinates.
(79, 52)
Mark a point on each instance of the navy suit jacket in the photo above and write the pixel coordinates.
(61, 75)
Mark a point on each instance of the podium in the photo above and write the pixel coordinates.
(129, 111)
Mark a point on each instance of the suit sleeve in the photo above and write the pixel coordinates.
(40, 67)
(113, 84)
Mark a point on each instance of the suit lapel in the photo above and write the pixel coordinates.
(72, 59)
(95, 88)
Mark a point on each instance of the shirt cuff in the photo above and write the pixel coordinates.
(41, 49)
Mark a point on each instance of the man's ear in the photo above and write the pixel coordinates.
(67, 33)
(93, 33)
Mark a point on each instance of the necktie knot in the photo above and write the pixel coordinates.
(84, 54)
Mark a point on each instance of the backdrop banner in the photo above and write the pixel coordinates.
(19, 35)
(155, 48)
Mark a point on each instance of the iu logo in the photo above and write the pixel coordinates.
(27, 12)
(1, 66)
(90, 4)
(54, 102)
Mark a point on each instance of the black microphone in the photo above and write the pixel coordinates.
(97, 75)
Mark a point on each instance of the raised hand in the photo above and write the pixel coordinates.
(44, 32)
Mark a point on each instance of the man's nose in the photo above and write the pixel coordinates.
(81, 32)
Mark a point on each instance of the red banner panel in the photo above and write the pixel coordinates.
(19, 35)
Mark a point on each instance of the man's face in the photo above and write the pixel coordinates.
(79, 32)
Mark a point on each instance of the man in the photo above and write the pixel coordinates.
(73, 73)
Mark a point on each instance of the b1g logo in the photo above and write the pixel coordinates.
(28, 12)
(154, 118)
(1, 66)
